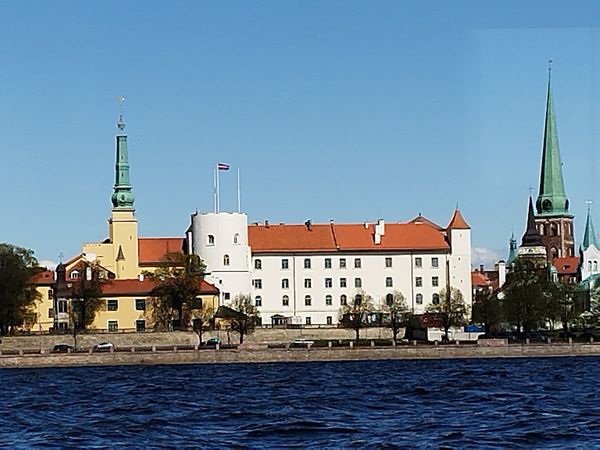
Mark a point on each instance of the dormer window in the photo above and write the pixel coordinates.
(210, 240)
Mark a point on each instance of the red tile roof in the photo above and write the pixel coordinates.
(457, 222)
(567, 265)
(144, 287)
(153, 250)
(45, 277)
(480, 279)
(344, 237)
(421, 219)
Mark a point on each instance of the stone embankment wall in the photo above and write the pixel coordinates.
(261, 335)
(294, 355)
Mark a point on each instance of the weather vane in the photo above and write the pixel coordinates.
(121, 122)
(530, 190)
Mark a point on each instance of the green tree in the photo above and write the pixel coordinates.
(450, 309)
(355, 315)
(397, 312)
(18, 293)
(526, 296)
(565, 305)
(245, 316)
(86, 296)
(487, 310)
(178, 282)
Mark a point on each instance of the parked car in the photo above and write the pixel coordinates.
(212, 342)
(104, 346)
(62, 348)
(301, 342)
(535, 336)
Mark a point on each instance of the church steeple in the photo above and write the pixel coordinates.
(552, 199)
(512, 249)
(531, 238)
(589, 236)
(122, 197)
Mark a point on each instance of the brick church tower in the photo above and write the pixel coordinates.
(553, 221)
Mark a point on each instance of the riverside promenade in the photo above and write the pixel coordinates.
(259, 354)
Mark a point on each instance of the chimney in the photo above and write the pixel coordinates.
(501, 273)
(266, 223)
(481, 268)
(380, 227)
(366, 225)
(377, 238)
(308, 224)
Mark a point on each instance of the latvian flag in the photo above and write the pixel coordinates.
(222, 166)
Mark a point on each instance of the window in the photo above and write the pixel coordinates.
(285, 300)
(389, 299)
(210, 240)
(388, 262)
(418, 281)
(285, 263)
(285, 283)
(435, 281)
(590, 266)
(258, 264)
(113, 325)
(258, 300)
(308, 321)
(236, 238)
(74, 275)
(418, 262)
(50, 313)
(328, 300)
(419, 299)
(435, 299)
(343, 300)
(328, 282)
(342, 263)
(357, 282)
(435, 262)
(62, 306)
(226, 260)
(307, 283)
(357, 263)
(595, 266)
(112, 305)
(307, 263)
(257, 283)
(307, 300)
(343, 282)
(140, 325)
(358, 299)
(328, 263)
(227, 295)
(140, 304)
(388, 282)
(50, 293)
(329, 320)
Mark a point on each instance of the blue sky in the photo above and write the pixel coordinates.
(345, 110)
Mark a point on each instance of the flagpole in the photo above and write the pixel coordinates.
(238, 190)
(215, 190)
(218, 194)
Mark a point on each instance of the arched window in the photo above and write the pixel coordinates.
(589, 266)
(226, 260)
(258, 300)
(328, 300)
(358, 299)
(257, 264)
(74, 275)
(285, 300)
(553, 230)
(419, 299)
(554, 252)
(595, 266)
(435, 299)
(307, 300)
(389, 299)
(210, 240)
(236, 238)
(343, 300)
(542, 229)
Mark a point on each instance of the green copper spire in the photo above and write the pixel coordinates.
(513, 251)
(589, 236)
(122, 196)
(552, 199)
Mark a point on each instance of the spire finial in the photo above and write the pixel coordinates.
(530, 190)
(61, 256)
(589, 205)
(121, 122)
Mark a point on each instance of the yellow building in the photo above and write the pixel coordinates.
(121, 259)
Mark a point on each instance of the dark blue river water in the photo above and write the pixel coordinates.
(455, 403)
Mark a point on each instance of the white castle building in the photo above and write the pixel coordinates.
(304, 273)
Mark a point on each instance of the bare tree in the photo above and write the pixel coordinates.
(356, 314)
(244, 316)
(395, 307)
